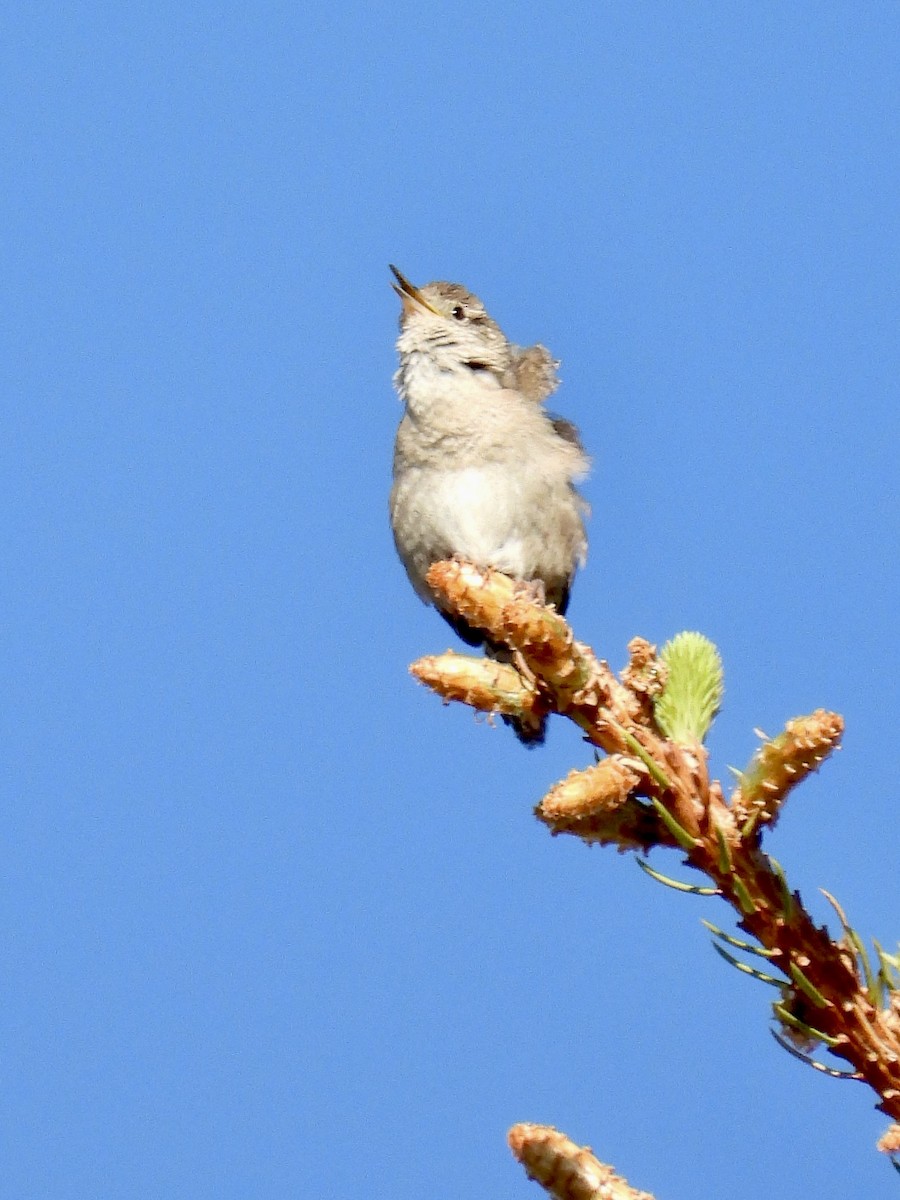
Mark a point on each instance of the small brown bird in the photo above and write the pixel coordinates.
(481, 470)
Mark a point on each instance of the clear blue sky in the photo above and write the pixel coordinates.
(275, 922)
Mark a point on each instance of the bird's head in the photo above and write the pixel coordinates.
(451, 325)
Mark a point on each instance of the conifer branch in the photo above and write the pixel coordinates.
(653, 790)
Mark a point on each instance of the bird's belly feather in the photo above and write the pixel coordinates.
(511, 520)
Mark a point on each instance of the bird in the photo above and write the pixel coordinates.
(481, 470)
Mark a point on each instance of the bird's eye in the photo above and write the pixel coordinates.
(459, 312)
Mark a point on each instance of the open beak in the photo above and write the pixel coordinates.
(410, 296)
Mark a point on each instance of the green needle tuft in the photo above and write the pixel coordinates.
(693, 691)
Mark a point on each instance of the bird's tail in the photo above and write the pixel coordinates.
(532, 730)
(530, 733)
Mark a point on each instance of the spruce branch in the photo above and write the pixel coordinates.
(565, 1170)
(653, 790)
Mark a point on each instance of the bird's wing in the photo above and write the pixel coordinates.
(567, 431)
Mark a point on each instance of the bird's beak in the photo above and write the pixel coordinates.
(410, 296)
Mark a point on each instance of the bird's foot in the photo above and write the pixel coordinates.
(534, 589)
